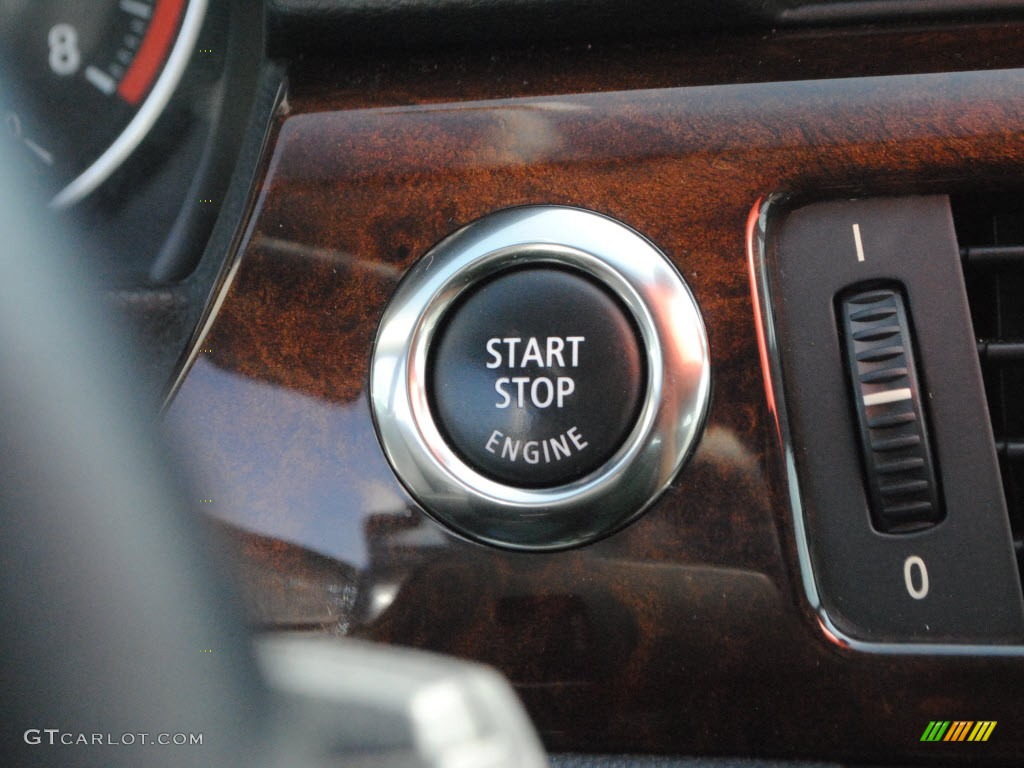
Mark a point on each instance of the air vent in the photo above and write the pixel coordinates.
(990, 230)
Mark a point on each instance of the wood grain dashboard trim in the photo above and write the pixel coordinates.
(687, 631)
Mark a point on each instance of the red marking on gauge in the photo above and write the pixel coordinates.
(147, 62)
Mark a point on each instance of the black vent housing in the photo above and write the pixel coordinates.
(990, 230)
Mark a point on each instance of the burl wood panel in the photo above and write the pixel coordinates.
(687, 631)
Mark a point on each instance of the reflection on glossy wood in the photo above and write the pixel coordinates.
(285, 586)
(687, 631)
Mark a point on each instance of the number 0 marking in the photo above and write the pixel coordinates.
(909, 565)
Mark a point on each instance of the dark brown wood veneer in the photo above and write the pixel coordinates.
(688, 631)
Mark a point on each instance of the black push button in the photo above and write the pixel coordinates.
(537, 377)
(887, 398)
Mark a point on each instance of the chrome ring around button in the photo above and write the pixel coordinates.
(673, 408)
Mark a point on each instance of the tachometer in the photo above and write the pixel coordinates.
(87, 81)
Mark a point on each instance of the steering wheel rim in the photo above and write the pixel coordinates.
(118, 622)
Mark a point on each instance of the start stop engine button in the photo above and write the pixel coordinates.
(539, 377)
(536, 379)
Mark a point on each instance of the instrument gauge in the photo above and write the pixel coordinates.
(88, 80)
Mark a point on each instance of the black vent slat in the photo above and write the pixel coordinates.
(1013, 450)
(994, 255)
(1002, 352)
